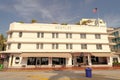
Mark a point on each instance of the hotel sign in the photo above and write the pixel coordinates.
(63, 27)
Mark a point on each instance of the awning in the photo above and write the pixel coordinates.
(80, 54)
(4, 52)
(62, 55)
(118, 53)
(102, 54)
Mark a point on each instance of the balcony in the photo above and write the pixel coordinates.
(112, 43)
(110, 29)
(111, 36)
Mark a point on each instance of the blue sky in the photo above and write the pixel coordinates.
(61, 11)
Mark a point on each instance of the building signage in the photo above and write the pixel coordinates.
(63, 27)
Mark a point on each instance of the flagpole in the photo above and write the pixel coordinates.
(95, 10)
(98, 18)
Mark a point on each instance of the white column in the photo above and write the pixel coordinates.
(109, 60)
(119, 58)
(89, 60)
(74, 60)
(20, 62)
(50, 61)
(13, 62)
(9, 63)
(84, 59)
(69, 62)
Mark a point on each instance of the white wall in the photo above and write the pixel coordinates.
(29, 38)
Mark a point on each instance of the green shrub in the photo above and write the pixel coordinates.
(116, 64)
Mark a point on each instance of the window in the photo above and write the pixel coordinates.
(69, 46)
(114, 40)
(9, 46)
(54, 46)
(11, 35)
(68, 35)
(83, 46)
(31, 61)
(44, 61)
(54, 35)
(20, 34)
(117, 39)
(83, 36)
(19, 45)
(97, 36)
(39, 46)
(40, 35)
(115, 47)
(116, 33)
(17, 59)
(98, 46)
(58, 61)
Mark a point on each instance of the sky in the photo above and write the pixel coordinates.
(60, 11)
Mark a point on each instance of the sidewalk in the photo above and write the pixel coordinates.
(59, 69)
(60, 75)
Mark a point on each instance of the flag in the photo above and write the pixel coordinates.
(94, 10)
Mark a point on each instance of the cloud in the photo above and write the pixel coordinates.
(28, 8)
(51, 10)
(44, 10)
(113, 20)
(2, 7)
(5, 8)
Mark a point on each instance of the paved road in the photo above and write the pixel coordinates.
(60, 75)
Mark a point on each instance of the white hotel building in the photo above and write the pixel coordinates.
(48, 45)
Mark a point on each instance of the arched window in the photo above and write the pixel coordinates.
(17, 60)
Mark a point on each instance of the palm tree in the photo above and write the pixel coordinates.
(33, 21)
(2, 42)
(54, 23)
(21, 22)
(63, 23)
(86, 22)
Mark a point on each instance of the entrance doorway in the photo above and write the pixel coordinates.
(79, 59)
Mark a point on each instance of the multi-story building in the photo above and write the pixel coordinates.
(45, 45)
(116, 39)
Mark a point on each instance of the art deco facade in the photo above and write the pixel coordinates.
(47, 45)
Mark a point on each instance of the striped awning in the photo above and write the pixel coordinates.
(62, 55)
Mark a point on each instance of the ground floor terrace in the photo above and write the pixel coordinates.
(31, 60)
